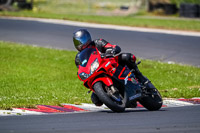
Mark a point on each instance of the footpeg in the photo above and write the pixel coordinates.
(138, 62)
(148, 81)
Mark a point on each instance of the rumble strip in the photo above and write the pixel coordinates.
(72, 108)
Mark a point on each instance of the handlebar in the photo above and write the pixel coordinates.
(104, 55)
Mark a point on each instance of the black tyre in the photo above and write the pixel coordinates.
(107, 100)
(96, 100)
(152, 101)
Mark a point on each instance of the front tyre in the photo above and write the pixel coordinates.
(96, 100)
(106, 99)
(152, 101)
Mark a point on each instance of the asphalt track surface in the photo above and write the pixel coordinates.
(156, 46)
(167, 120)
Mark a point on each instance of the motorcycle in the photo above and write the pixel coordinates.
(116, 86)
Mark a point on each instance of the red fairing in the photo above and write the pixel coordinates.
(108, 45)
(107, 81)
(106, 66)
(87, 68)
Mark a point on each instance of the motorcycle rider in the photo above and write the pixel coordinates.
(82, 39)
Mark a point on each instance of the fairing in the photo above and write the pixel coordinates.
(109, 72)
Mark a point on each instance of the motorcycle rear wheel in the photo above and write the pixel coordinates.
(152, 101)
(106, 99)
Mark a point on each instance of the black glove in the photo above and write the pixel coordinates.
(113, 51)
(110, 52)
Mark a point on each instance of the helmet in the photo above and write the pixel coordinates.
(81, 39)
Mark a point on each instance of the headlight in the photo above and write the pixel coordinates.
(94, 66)
(83, 76)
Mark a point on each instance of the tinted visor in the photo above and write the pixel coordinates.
(81, 39)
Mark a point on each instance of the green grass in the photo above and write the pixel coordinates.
(34, 75)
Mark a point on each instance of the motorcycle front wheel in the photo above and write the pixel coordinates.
(115, 106)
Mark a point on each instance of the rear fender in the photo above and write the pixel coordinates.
(107, 81)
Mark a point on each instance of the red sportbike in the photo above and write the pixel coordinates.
(116, 86)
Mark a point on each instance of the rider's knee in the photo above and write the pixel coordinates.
(127, 58)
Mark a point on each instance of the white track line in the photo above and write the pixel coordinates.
(18, 112)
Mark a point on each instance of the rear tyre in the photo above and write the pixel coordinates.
(107, 100)
(152, 101)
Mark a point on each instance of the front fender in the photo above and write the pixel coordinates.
(107, 81)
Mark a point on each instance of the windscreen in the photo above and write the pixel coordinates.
(85, 55)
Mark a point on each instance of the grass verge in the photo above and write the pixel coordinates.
(34, 75)
(171, 24)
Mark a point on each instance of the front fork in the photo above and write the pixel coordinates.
(114, 93)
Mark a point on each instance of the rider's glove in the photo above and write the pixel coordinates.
(110, 52)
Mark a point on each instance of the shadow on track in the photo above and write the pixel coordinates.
(134, 110)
